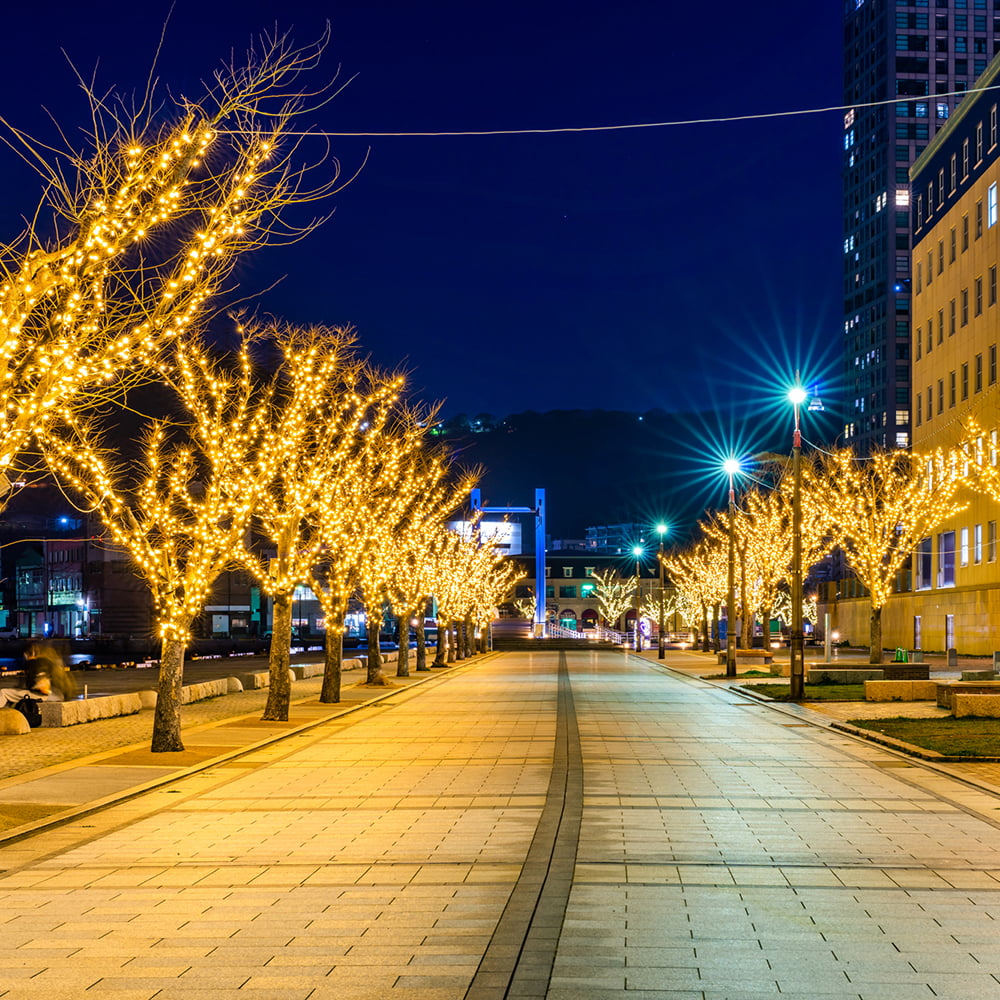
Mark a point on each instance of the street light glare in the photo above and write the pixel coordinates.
(797, 395)
(731, 466)
(637, 550)
(662, 529)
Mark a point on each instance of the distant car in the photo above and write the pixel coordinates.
(10, 632)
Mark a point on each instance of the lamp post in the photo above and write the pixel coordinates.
(661, 530)
(637, 551)
(731, 466)
(796, 687)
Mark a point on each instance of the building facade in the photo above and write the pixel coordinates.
(923, 53)
(953, 598)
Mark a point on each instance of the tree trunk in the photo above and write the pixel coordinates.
(421, 645)
(484, 637)
(746, 615)
(279, 692)
(374, 625)
(470, 637)
(330, 692)
(452, 640)
(403, 656)
(706, 637)
(167, 718)
(442, 644)
(875, 649)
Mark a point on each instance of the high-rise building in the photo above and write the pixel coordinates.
(918, 53)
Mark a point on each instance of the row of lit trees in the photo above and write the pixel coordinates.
(875, 509)
(314, 453)
(321, 460)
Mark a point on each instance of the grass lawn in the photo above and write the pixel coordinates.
(813, 692)
(742, 673)
(953, 737)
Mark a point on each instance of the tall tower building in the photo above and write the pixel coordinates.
(918, 52)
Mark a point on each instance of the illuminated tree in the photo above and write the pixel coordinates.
(525, 606)
(339, 522)
(327, 397)
(494, 588)
(411, 580)
(184, 517)
(137, 230)
(880, 508)
(699, 571)
(614, 595)
(763, 529)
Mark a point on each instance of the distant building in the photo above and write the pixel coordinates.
(570, 588)
(893, 49)
(950, 596)
(614, 539)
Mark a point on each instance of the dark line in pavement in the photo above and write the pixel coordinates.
(519, 958)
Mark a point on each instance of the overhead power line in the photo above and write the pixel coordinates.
(635, 125)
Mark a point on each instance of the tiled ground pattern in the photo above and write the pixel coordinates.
(726, 851)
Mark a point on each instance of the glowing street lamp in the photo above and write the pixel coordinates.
(637, 551)
(797, 395)
(661, 530)
(731, 467)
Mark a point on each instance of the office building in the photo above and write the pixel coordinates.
(921, 53)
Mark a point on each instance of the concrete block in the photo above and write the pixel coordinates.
(147, 699)
(71, 713)
(984, 706)
(354, 663)
(889, 690)
(252, 682)
(979, 675)
(303, 670)
(233, 685)
(946, 691)
(13, 723)
(820, 674)
(783, 669)
(204, 689)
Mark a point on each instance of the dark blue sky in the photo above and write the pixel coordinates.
(626, 270)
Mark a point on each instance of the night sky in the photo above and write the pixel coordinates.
(690, 266)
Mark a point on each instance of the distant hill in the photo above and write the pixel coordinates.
(605, 467)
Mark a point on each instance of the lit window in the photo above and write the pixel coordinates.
(991, 206)
(964, 547)
(902, 197)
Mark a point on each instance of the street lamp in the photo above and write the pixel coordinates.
(661, 530)
(637, 551)
(796, 686)
(731, 467)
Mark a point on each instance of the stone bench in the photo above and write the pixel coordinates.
(823, 673)
(71, 713)
(983, 706)
(947, 690)
(889, 690)
(750, 657)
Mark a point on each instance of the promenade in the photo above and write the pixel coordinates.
(579, 826)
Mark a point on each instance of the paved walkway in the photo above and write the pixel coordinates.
(582, 825)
